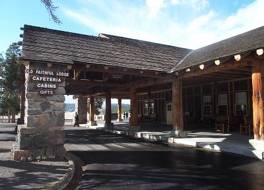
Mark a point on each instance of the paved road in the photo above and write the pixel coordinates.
(115, 162)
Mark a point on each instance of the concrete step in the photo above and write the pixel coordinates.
(218, 145)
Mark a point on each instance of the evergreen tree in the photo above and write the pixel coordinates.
(10, 82)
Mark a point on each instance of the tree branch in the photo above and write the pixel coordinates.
(51, 8)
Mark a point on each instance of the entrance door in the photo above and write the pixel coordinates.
(168, 114)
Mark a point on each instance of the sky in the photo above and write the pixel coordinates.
(184, 23)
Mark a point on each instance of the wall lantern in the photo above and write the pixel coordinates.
(237, 57)
(49, 65)
(87, 66)
(141, 72)
(176, 73)
(217, 62)
(201, 66)
(106, 67)
(188, 70)
(69, 67)
(259, 52)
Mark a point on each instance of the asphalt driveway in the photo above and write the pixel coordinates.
(118, 162)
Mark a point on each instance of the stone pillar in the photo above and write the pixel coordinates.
(108, 110)
(42, 136)
(134, 109)
(82, 109)
(176, 106)
(119, 110)
(257, 100)
(92, 111)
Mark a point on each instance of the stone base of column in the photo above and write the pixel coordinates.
(178, 133)
(92, 123)
(258, 148)
(38, 144)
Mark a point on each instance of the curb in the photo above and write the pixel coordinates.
(71, 179)
(145, 136)
(214, 148)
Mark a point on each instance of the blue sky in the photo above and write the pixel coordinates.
(185, 23)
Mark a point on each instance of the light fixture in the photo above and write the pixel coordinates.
(201, 66)
(141, 72)
(188, 70)
(237, 57)
(176, 73)
(69, 67)
(49, 65)
(87, 66)
(106, 68)
(259, 52)
(217, 62)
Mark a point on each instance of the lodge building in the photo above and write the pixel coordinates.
(217, 87)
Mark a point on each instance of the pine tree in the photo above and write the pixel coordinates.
(10, 82)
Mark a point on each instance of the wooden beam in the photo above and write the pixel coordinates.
(85, 83)
(108, 110)
(134, 108)
(121, 70)
(92, 110)
(177, 111)
(119, 111)
(257, 100)
(149, 82)
(215, 69)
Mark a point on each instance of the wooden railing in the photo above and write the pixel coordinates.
(4, 119)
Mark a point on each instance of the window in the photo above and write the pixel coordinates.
(148, 108)
(241, 103)
(222, 104)
(207, 105)
(169, 107)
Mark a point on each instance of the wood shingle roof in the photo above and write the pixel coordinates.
(241, 43)
(41, 44)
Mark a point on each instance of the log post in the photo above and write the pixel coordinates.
(92, 111)
(82, 109)
(257, 100)
(177, 111)
(108, 111)
(119, 111)
(134, 109)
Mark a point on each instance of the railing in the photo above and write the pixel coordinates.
(4, 119)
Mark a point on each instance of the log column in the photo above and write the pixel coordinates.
(92, 111)
(257, 100)
(177, 111)
(82, 109)
(108, 111)
(119, 111)
(134, 109)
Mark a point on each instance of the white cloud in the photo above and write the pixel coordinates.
(196, 4)
(154, 6)
(165, 27)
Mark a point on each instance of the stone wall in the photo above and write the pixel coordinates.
(42, 135)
